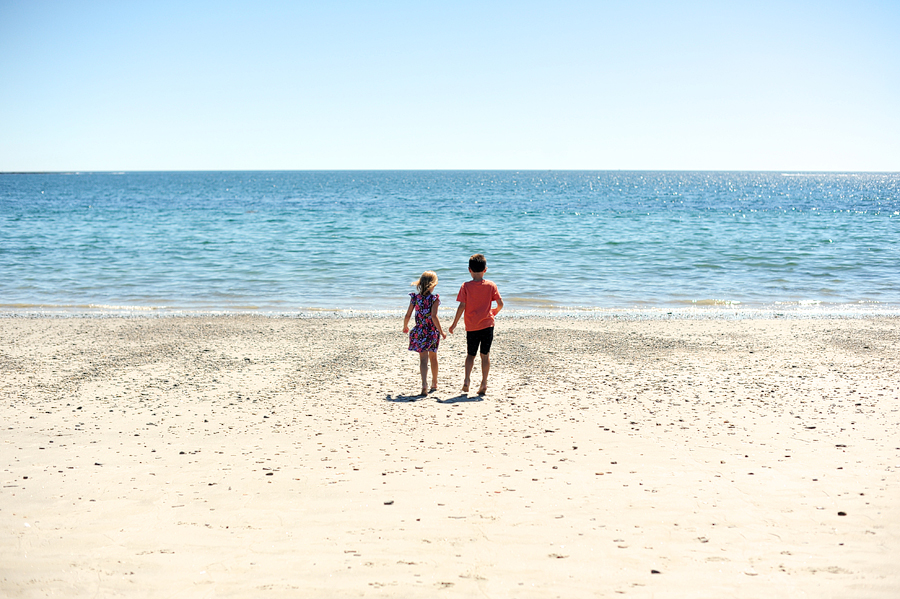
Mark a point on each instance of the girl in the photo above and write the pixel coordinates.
(426, 335)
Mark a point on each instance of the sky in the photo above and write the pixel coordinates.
(606, 85)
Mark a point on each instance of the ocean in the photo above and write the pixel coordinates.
(353, 241)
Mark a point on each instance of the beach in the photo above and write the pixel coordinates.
(251, 456)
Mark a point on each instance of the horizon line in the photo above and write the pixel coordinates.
(389, 170)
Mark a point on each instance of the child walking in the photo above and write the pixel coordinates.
(475, 300)
(426, 335)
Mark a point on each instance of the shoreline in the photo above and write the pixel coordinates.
(244, 455)
(717, 312)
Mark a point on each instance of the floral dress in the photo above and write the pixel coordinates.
(424, 336)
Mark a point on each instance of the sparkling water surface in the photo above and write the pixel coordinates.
(343, 240)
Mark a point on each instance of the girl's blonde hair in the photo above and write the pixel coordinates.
(427, 282)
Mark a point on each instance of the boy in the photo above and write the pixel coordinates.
(475, 298)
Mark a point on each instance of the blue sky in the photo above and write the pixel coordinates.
(454, 85)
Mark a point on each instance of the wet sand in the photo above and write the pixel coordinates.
(245, 456)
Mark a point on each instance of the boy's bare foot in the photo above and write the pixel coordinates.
(466, 385)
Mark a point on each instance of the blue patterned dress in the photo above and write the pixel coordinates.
(424, 336)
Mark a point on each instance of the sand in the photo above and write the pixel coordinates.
(246, 456)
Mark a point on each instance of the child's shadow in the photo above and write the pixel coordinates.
(463, 397)
(405, 398)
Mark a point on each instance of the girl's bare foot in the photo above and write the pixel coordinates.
(424, 391)
(433, 388)
(466, 385)
(483, 389)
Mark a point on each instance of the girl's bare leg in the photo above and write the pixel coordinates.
(423, 370)
(432, 356)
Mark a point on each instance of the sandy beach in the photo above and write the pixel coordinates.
(246, 456)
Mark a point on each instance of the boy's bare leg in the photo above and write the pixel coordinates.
(485, 369)
(470, 362)
(423, 370)
(432, 357)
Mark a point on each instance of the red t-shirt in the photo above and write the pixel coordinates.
(478, 297)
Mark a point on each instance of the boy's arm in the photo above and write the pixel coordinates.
(459, 312)
(499, 306)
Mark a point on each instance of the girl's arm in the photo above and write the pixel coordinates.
(434, 318)
(406, 318)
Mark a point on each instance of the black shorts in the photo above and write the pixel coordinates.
(484, 337)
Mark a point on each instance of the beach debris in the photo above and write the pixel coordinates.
(389, 502)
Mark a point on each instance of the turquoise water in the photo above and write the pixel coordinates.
(297, 241)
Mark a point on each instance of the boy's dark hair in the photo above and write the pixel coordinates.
(477, 263)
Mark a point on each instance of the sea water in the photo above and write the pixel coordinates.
(292, 242)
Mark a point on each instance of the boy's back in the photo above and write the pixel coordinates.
(478, 296)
